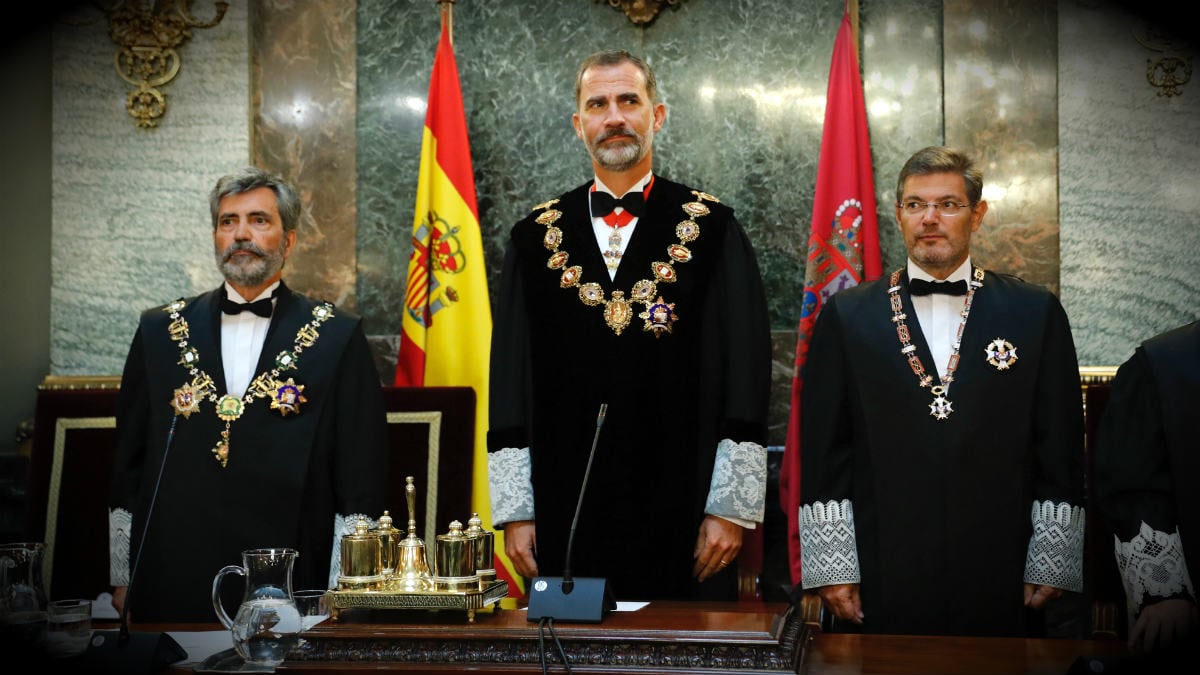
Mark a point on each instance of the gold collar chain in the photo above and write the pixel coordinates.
(286, 396)
(659, 315)
(941, 407)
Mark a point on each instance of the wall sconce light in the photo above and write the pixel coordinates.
(641, 12)
(148, 33)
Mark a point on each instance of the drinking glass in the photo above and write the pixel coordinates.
(313, 605)
(68, 627)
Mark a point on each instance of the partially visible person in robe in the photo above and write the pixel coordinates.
(942, 443)
(1147, 469)
(249, 416)
(642, 293)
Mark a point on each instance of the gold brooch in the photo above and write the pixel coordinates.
(287, 397)
(186, 401)
(659, 316)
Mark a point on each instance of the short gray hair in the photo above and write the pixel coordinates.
(251, 178)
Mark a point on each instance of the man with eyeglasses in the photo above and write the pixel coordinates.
(942, 437)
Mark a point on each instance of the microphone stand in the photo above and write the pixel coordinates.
(135, 652)
(568, 583)
(565, 598)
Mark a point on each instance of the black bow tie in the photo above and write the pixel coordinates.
(604, 203)
(259, 307)
(923, 287)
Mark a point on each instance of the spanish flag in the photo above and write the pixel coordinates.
(843, 246)
(445, 335)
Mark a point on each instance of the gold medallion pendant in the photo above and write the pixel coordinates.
(221, 450)
(229, 407)
(617, 312)
(1001, 353)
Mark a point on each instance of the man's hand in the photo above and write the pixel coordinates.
(843, 601)
(1037, 595)
(520, 544)
(717, 544)
(118, 598)
(1162, 624)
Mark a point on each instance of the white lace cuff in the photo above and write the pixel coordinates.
(1055, 556)
(120, 529)
(343, 525)
(510, 482)
(1152, 563)
(828, 547)
(738, 491)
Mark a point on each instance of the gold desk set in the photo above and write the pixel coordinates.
(381, 569)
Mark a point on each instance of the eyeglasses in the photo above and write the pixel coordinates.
(946, 207)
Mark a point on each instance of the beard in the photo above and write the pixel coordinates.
(250, 271)
(623, 154)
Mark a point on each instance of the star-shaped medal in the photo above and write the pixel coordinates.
(659, 316)
(186, 401)
(287, 397)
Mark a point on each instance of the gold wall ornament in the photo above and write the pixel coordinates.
(148, 33)
(1168, 74)
(641, 12)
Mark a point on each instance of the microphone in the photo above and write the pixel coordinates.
(565, 598)
(121, 651)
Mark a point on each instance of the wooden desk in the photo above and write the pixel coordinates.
(685, 638)
(843, 654)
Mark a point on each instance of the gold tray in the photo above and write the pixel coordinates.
(468, 601)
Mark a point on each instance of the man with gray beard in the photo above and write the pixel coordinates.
(248, 417)
(653, 305)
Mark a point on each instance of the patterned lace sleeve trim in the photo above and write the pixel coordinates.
(1152, 563)
(828, 546)
(1055, 554)
(343, 525)
(738, 490)
(510, 478)
(120, 528)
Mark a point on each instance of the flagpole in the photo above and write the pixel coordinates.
(448, 17)
(852, 8)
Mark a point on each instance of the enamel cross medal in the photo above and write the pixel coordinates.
(941, 406)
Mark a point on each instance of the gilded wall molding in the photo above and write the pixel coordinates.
(641, 12)
(1167, 73)
(149, 33)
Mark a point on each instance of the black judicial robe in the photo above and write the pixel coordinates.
(286, 477)
(1147, 455)
(942, 508)
(670, 398)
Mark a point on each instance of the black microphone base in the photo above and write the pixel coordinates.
(140, 653)
(586, 602)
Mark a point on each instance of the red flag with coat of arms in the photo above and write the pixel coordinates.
(843, 248)
(445, 334)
